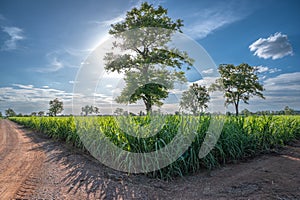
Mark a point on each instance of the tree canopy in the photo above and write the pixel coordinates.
(86, 110)
(239, 83)
(288, 111)
(56, 107)
(10, 113)
(41, 113)
(150, 67)
(195, 99)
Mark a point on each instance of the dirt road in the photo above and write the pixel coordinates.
(18, 162)
(33, 166)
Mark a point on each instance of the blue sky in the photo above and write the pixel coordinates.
(44, 43)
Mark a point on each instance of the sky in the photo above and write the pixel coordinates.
(45, 44)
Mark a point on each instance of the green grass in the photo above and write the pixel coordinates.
(241, 137)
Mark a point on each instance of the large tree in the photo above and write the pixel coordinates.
(195, 99)
(56, 107)
(239, 83)
(150, 67)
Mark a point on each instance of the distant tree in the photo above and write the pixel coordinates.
(266, 112)
(239, 83)
(10, 113)
(141, 113)
(195, 99)
(228, 113)
(246, 112)
(33, 114)
(0, 114)
(281, 112)
(41, 113)
(150, 67)
(96, 110)
(125, 113)
(288, 111)
(119, 111)
(86, 110)
(56, 107)
(157, 112)
(20, 115)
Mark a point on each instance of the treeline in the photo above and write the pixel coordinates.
(286, 111)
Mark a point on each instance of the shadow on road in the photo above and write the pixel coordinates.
(81, 174)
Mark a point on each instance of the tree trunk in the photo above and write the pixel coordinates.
(236, 108)
(148, 104)
(148, 107)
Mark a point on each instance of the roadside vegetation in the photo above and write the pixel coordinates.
(241, 137)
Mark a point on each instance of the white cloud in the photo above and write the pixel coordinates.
(78, 52)
(56, 65)
(206, 21)
(15, 34)
(119, 18)
(264, 69)
(23, 86)
(112, 21)
(58, 60)
(73, 82)
(206, 81)
(276, 46)
(28, 98)
(274, 70)
(19, 91)
(53, 66)
(284, 83)
(208, 71)
(280, 91)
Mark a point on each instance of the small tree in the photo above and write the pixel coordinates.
(146, 59)
(56, 107)
(41, 113)
(10, 113)
(239, 83)
(119, 111)
(195, 99)
(89, 110)
(0, 114)
(288, 111)
(33, 114)
(86, 110)
(246, 112)
(96, 110)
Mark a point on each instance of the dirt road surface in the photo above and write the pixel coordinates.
(33, 166)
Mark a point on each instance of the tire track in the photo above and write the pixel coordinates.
(20, 162)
